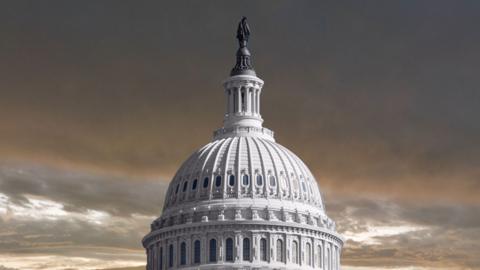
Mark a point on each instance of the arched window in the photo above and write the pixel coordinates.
(160, 259)
(259, 180)
(320, 257)
(176, 189)
(295, 252)
(213, 250)
(245, 180)
(185, 185)
(263, 249)
(194, 184)
(231, 180)
(246, 249)
(273, 181)
(229, 250)
(170, 256)
(218, 181)
(308, 254)
(280, 250)
(196, 251)
(183, 253)
(205, 182)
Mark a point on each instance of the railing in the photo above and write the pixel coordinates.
(223, 131)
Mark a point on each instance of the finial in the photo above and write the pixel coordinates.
(243, 65)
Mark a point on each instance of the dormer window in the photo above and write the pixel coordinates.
(205, 182)
(273, 181)
(218, 181)
(194, 184)
(245, 180)
(259, 180)
(231, 180)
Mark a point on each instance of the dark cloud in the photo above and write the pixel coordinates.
(385, 90)
(75, 237)
(441, 235)
(7, 268)
(79, 191)
(380, 100)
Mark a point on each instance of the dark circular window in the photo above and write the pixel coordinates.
(176, 189)
(194, 184)
(185, 185)
(245, 180)
(259, 180)
(231, 180)
(205, 182)
(218, 181)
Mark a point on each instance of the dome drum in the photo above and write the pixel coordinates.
(235, 245)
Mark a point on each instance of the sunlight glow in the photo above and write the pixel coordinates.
(42, 209)
(370, 236)
(63, 262)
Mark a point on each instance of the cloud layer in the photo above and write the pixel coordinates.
(101, 103)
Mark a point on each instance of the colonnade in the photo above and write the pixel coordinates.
(243, 100)
(244, 248)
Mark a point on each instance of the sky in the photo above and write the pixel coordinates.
(101, 102)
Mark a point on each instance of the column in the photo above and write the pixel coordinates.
(239, 99)
(254, 101)
(228, 101)
(288, 250)
(161, 260)
(337, 258)
(230, 98)
(220, 248)
(273, 245)
(204, 251)
(300, 250)
(258, 101)
(255, 252)
(189, 250)
(154, 257)
(148, 259)
(238, 246)
(248, 107)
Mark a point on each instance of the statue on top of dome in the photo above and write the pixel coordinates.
(244, 64)
(243, 32)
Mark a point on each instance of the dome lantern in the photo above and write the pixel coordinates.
(243, 89)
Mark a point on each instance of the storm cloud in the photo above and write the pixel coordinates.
(102, 101)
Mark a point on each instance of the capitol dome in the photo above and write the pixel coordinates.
(243, 201)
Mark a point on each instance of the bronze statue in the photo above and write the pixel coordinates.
(244, 63)
(243, 32)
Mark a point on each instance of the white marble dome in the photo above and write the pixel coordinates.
(243, 201)
(232, 169)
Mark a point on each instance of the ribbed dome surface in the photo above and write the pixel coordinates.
(243, 167)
